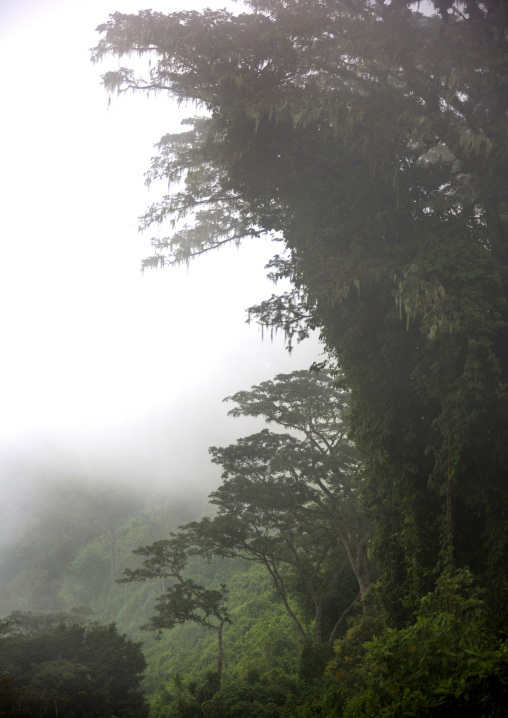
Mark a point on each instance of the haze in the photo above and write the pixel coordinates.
(106, 372)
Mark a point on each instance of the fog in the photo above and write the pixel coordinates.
(108, 376)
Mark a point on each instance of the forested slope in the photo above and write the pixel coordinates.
(268, 566)
(273, 559)
(357, 547)
(62, 566)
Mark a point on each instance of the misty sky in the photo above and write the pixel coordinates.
(119, 370)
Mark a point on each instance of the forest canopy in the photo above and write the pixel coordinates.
(52, 664)
(370, 139)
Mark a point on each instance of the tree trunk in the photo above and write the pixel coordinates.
(319, 622)
(279, 584)
(340, 619)
(220, 653)
(359, 562)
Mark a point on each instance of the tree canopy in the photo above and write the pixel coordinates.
(292, 501)
(371, 140)
(53, 666)
(184, 599)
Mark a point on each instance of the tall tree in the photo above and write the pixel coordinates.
(371, 139)
(184, 600)
(293, 499)
(322, 463)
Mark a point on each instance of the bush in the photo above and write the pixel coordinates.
(445, 665)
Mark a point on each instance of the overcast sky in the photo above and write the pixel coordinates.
(92, 351)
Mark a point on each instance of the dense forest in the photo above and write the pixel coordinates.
(352, 562)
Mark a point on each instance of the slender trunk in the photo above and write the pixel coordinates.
(363, 568)
(220, 653)
(449, 515)
(319, 622)
(359, 562)
(340, 619)
(279, 585)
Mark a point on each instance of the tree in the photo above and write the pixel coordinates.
(364, 136)
(293, 500)
(184, 600)
(54, 667)
(313, 404)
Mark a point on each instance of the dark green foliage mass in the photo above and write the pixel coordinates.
(445, 664)
(371, 140)
(249, 700)
(51, 666)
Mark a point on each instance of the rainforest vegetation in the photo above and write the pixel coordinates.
(353, 561)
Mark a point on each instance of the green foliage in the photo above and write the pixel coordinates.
(50, 667)
(313, 660)
(261, 638)
(365, 138)
(293, 501)
(445, 664)
(184, 600)
(344, 675)
(251, 701)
